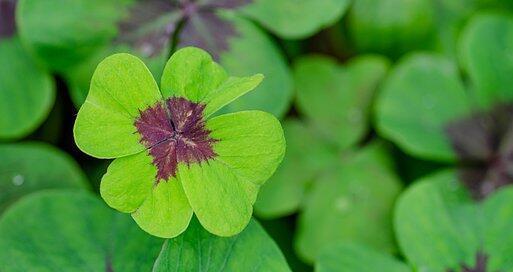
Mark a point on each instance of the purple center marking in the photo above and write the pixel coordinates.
(7, 18)
(174, 131)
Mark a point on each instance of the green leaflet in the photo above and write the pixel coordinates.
(248, 145)
(341, 203)
(121, 86)
(338, 99)
(72, 231)
(251, 145)
(22, 171)
(357, 258)
(291, 20)
(485, 55)
(439, 227)
(198, 250)
(192, 73)
(418, 100)
(24, 104)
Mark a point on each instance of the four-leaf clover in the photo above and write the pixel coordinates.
(172, 159)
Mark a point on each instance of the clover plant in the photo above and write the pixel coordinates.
(451, 122)
(172, 158)
(24, 104)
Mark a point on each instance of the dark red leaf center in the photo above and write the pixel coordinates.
(174, 132)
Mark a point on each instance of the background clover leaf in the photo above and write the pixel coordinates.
(51, 230)
(439, 227)
(203, 251)
(22, 173)
(337, 98)
(291, 20)
(485, 57)
(428, 89)
(342, 202)
(27, 92)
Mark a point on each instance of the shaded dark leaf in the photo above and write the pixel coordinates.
(7, 18)
(485, 139)
(206, 30)
(149, 27)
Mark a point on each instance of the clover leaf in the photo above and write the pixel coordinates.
(292, 21)
(359, 189)
(337, 99)
(24, 104)
(485, 50)
(440, 228)
(63, 230)
(250, 250)
(21, 171)
(172, 157)
(419, 98)
(356, 257)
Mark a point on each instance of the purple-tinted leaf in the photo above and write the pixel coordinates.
(206, 30)
(479, 266)
(7, 19)
(175, 132)
(149, 26)
(486, 141)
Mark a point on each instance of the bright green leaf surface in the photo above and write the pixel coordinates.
(128, 182)
(418, 100)
(26, 91)
(229, 91)
(121, 86)
(292, 20)
(251, 143)
(306, 156)
(166, 212)
(351, 203)
(63, 33)
(198, 250)
(72, 231)
(22, 171)
(337, 99)
(222, 191)
(253, 52)
(357, 258)
(191, 73)
(392, 27)
(486, 56)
